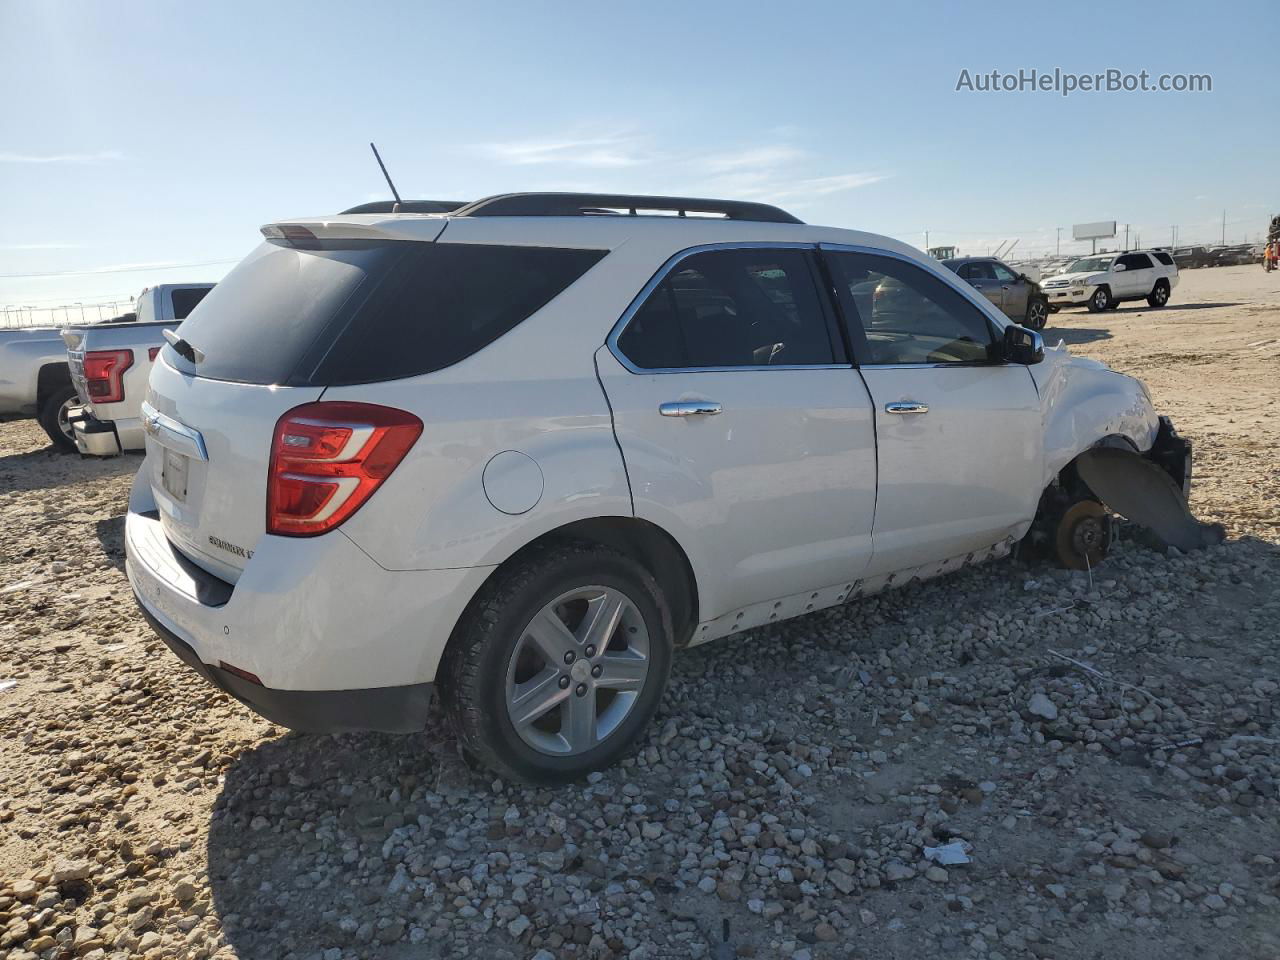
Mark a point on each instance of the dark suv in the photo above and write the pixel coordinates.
(1015, 293)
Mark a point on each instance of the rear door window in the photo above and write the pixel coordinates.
(185, 300)
(1164, 258)
(750, 307)
(365, 311)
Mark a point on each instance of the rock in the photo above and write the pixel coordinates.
(65, 870)
(826, 933)
(518, 926)
(936, 874)
(25, 890)
(1042, 706)
(896, 870)
(185, 890)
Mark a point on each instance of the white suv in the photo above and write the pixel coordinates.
(1104, 281)
(524, 451)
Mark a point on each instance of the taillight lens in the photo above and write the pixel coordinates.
(152, 353)
(104, 374)
(327, 459)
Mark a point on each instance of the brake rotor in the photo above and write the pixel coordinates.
(1083, 535)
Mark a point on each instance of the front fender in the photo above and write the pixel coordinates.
(1083, 404)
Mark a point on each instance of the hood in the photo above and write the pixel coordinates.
(1092, 277)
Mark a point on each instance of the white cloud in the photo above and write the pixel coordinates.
(40, 246)
(102, 156)
(596, 152)
(755, 157)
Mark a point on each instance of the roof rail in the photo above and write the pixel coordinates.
(610, 204)
(407, 206)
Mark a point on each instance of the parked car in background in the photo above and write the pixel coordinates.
(1192, 257)
(1016, 294)
(110, 363)
(1234, 256)
(167, 302)
(36, 382)
(1105, 281)
(553, 443)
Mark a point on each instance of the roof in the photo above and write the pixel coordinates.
(952, 262)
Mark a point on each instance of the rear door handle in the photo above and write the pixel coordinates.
(689, 408)
(906, 406)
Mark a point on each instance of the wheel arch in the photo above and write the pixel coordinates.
(51, 377)
(656, 550)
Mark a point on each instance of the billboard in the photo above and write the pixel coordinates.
(1094, 231)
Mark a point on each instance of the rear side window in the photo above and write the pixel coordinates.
(752, 307)
(442, 302)
(362, 311)
(1164, 258)
(1135, 261)
(184, 301)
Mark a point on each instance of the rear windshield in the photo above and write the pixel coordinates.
(367, 311)
(185, 300)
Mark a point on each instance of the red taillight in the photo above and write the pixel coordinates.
(104, 374)
(328, 458)
(152, 353)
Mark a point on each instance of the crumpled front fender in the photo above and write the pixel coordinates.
(1083, 404)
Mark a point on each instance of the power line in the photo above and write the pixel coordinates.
(128, 268)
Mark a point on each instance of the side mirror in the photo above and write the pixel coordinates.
(1022, 345)
(1118, 268)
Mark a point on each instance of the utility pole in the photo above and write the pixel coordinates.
(1057, 250)
(1126, 236)
(1173, 236)
(926, 241)
(1224, 227)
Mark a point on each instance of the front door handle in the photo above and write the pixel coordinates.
(689, 408)
(906, 406)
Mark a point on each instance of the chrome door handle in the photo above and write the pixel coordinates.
(906, 406)
(689, 408)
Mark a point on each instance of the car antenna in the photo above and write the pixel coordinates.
(394, 192)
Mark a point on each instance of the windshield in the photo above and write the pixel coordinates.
(1089, 265)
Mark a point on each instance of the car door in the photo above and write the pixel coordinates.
(1138, 276)
(745, 431)
(958, 431)
(1014, 290)
(982, 277)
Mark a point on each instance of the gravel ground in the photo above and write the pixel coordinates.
(1106, 751)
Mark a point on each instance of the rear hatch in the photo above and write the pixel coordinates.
(304, 312)
(262, 336)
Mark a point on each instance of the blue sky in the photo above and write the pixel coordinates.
(137, 135)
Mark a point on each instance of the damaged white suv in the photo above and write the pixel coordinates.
(521, 453)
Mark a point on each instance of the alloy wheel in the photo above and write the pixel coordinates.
(577, 670)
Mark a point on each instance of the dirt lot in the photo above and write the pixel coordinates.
(1120, 803)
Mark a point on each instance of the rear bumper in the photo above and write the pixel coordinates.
(336, 642)
(400, 709)
(94, 438)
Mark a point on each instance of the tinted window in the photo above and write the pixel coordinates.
(1003, 273)
(1164, 258)
(899, 313)
(184, 301)
(977, 271)
(731, 308)
(364, 311)
(1135, 261)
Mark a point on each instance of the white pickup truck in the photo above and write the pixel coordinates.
(110, 363)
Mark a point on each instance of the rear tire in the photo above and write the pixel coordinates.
(532, 691)
(1101, 300)
(1159, 294)
(53, 417)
